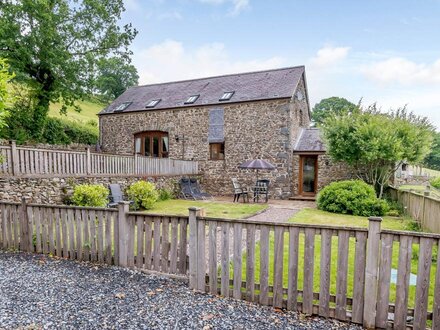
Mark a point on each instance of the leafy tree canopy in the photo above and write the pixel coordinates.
(376, 143)
(332, 106)
(433, 159)
(114, 76)
(5, 78)
(54, 46)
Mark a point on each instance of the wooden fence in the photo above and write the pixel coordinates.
(111, 236)
(421, 207)
(343, 273)
(30, 162)
(353, 274)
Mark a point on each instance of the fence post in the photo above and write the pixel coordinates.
(25, 233)
(371, 272)
(193, 247)
(422, 221)
(14, 158)
(135, 165)
(88, 161)
(123, 230)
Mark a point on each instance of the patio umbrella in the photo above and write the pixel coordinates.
(257, 164)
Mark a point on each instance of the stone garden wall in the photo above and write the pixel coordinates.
(56, 191)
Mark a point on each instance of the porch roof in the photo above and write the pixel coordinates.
(309, 141)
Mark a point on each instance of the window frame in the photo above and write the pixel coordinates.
(152, 103)
(220, 146)
(224, 98)
(151, 135)
(188, 100)
(122, 106)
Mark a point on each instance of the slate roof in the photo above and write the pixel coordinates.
(309, 140)
(250, 86)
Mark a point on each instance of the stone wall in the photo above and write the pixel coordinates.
(56, 191)
(328, 171)
(260, 129)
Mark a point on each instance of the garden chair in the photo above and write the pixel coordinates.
(185, 189)
(261, 189)
(197, 191)
(239, 191)
(116, 195)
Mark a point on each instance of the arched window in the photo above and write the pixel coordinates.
(152, 144)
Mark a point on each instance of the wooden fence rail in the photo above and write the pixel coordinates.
(30, 162)
(365, 276)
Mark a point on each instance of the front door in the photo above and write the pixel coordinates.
(308, 175)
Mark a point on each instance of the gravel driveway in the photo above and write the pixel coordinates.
(37, 292)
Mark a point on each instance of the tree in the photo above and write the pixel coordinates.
(332, 106)
(433, 158)
(114, 76)
(5, 78)
(375, 144)
(54, 45)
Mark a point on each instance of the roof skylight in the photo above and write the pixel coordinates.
(192, 99)
(152, 103)
(122, 106)
(226, 96)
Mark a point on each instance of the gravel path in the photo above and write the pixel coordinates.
(275, 214)
(37, 292)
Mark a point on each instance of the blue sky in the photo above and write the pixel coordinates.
(382, 51)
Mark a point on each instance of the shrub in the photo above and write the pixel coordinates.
(165, 194)
(143, 194)
(435, 182)
(61, 131)
(90, 195)
(351, 197)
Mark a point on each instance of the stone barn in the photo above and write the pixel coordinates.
(223, 121)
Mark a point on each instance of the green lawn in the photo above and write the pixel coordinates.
(318, 217)
(89, 111)
(313, 216)
(213, 209)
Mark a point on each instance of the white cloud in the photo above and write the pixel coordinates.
(329, 55)
(171, 15)
(170, 60)
(402, 71)
(237, 5)
(132, 5)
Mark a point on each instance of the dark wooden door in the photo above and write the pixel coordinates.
(308, 175)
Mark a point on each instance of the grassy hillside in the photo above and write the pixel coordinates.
(89, 111)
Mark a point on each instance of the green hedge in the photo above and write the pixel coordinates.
(143, 194)
(56, 130)
(435, 182)
(93, 195)
(351, 197)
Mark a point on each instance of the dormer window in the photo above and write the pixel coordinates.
(152, 103)
(192, 99)
(226, 96)
(122, 106)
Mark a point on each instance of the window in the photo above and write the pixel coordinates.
(122, 106)
(152, 144)
(217, 151)
(152, 103)
(226, 96)
(192, 99)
